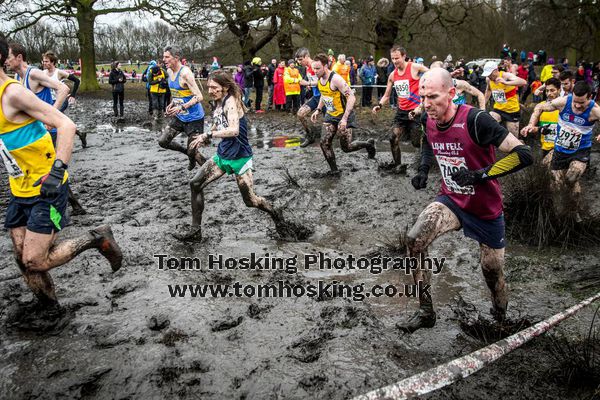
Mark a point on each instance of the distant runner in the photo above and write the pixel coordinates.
(405, 81)
(338, 100)
(577, 114)
(185, 109)
(47, 89)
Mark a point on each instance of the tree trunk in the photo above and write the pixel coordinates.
(386, 28)
(85, 36)
(284, 37)
(246, 42)
(311, 29)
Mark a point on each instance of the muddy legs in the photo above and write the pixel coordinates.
(492, 263)
(435, 220)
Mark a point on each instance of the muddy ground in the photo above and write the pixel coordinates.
(124, 337)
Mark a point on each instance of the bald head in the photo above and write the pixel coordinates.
(437, 90)
(436, 64)
(437, 78)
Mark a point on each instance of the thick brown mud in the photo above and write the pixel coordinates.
(123, 336)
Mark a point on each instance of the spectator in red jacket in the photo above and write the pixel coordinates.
(279, 89)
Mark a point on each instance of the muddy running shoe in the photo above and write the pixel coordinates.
(420, 319)
(308, 139)
(83, 137)
(387, 166)
(371, 149)
(260, 111)
(107, 246)
(498, 314)
(400, 169)
(193, 234)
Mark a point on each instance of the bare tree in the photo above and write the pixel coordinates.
(83, 12)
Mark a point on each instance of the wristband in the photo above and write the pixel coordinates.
(209, 134)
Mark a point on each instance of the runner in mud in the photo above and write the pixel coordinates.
(502, 87)
(462, 88)
(234, 153)
(37, 81)
(47, 89)
(405, 81)
(577, 114)
(312, 131)
(49, 61)
(39, 184)
(545, 123)
(338, 100)
(185, 109)
(463, 139)
(567, 81)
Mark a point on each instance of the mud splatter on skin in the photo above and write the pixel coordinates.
(109, 348)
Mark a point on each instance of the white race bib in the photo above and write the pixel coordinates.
(9, 162)
(449, 165)
(569, 137)
(551, 135)
(499, 96)
(402, 88)
(328, 101)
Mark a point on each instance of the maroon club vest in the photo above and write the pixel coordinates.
(454, 149)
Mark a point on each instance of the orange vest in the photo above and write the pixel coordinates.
(342, 70)
(291, 79)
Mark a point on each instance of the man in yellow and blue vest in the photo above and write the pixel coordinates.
(39, 184)
(338, 101)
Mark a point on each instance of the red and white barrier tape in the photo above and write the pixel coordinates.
(462, 367)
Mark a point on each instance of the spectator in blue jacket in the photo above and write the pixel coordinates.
(146, 77)
(367, 75)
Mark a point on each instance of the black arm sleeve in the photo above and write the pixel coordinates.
(484, 129)
(426, 156)
(76, 83)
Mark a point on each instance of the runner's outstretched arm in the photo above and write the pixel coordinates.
(556, 104)
(473, 91)
(519, 156)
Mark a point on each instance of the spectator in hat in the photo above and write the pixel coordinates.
(292, 78)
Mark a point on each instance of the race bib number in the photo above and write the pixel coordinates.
(550, 137)
(9, 162)
(499, 96)
(179, 102)
(569, 137)
(402, 88)
(449, 165)
(328, 101)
